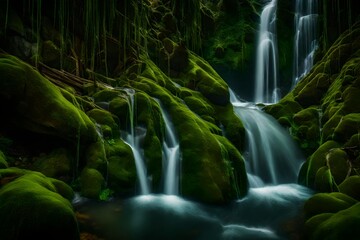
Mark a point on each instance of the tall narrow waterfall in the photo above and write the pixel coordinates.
(305, 37)
(266, 89)
(171, 156)
(133, 139)
(272, 155)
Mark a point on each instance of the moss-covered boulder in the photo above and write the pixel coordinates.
(343, 224)
(91, 183)
(207, 175)
(122, 175)
(351, 187)
(109, 127)
(39, 105)
(327, 203)
(33, 206)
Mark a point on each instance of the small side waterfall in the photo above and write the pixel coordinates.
(133, 139)
(305, 37)
(171, 156)
(272, 156)
(266, 89)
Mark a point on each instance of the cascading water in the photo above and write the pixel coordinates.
(133, 139)
(272, 154)
(266, 89)
(305, 37)
(259, 215)
(171, 156)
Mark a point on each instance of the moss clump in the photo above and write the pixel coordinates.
(121, 169)
(91, 183)
(106, 121)
(350, 186)
(29, 201)
(327, 203)
(341, 225)
(316, 161)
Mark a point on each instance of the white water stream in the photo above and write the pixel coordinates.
(266, 69)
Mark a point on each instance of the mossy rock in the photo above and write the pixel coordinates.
(312, 93)
(122, 174)
(3, 162)
(232, 124)
(57, 164)
(342, 225)
(324, 180)
(31, 207)
(120, 107)
(40, 105)
(348, 126)
(351, 187)
(314, 222)
(330, 126)
(286, 108)
(327, 203)
(105, 95)
(200, 107)
(200, 76)
(316, 161)
(204, 170)
(91, 183)
(105, 118)
(96, 157)
(337, 161)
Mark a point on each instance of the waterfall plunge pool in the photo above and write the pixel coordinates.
(271, 212)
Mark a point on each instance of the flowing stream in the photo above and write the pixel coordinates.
(133, 139)
(266, 69)
(305, 37)
(274, 199)
(271, 155)
(171, 156)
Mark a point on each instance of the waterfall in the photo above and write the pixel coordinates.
(266, 89)
(272, 156)
(171, 156)
(305, 37)
(133, 139)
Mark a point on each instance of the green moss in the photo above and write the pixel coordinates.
(327, 203)
(204, 171)
(119, 106)
(105, 118)
(105, 95)
(348, 126)
(96, 156)
(286, 108)
(337, 160)
(29, 202)
(314, 222)
(312, 93)
(91, 183)
(350, 186)
(121, 169)
(324, 180)
(234, 128)
(318, 160)
(341, 225)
